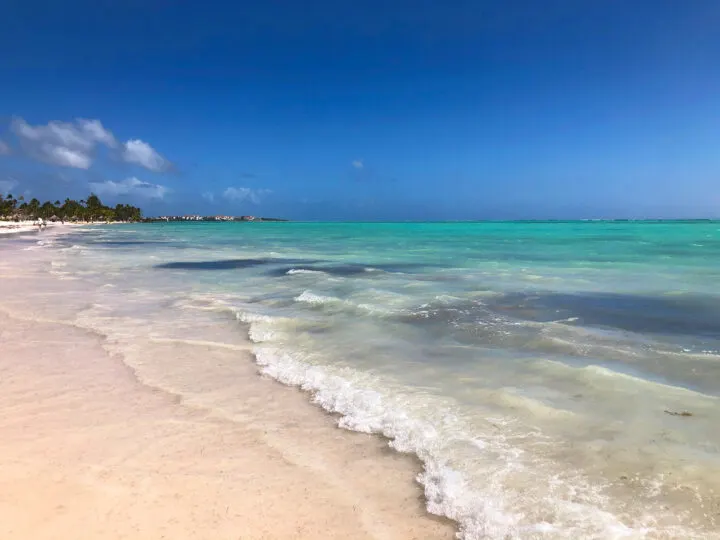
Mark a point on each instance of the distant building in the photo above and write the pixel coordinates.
(196, 217)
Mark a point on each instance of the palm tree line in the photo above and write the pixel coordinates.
(90, 209)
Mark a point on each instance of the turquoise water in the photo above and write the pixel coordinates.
(558, 380)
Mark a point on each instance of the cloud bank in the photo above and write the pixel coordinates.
(63, 143)
(130, 186)
(240, 194)
(4, 149)
(141, 153)
(74, 144)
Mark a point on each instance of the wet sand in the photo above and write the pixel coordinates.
(90, 451)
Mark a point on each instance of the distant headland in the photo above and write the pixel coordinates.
(92, 210)
(208, 218)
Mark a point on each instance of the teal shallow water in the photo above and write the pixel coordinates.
(541, 371)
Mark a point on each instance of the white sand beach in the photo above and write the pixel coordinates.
(90, 450)
(31, 226)
(12, 227)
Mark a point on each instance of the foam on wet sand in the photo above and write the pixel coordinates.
(94, 447)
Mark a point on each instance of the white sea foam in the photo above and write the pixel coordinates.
(294, 271)
(491, 512)
(381, 309)
(309, 297)
(376, 309)
(261, 327)
(248, 317)
(40, 244)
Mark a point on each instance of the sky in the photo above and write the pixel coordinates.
(372, 110)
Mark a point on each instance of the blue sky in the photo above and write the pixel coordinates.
(366, 110)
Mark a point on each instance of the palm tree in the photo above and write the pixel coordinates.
(92, 208)
(33, 207)
(46, 210)
(8, 205)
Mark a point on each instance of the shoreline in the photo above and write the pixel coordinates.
(28, 226)
(18, 227)
(120, 448)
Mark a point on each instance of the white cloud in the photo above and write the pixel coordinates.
(7, 185)
(130, 186)
(68, 144)
(245, 194)
(72, 144)
(358, 164)
(141, 153)
(66, 157)
(209, 196)
(95, 129)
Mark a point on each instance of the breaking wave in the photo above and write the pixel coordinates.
(435, 430)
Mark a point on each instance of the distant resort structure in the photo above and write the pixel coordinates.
(196, 217)
(92, 210)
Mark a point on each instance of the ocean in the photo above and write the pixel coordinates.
(556, 379)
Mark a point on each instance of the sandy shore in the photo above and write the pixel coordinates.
(89, 451)
(12, 227)
(15, 227)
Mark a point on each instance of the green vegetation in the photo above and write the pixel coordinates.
(91, 209)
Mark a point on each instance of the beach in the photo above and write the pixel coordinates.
(31, 226)
(91, 451)
(490, 380)
(14, 227)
